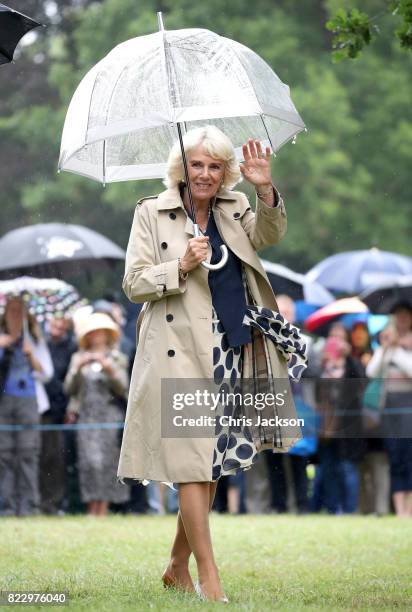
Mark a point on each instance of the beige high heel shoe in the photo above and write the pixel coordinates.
(202, 596)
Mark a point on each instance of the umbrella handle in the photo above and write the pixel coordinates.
(26, 332)
(223, 249)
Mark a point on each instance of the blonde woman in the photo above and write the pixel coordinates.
(97, 379)
(192, 327)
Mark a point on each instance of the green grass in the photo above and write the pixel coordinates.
(266, 562)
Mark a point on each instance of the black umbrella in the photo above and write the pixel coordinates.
(295, 285)
(55, 249)
(13, 26)
(382, 299)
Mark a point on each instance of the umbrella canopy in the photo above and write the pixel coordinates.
(13, 26)
(318, 321)
(122, 120)
(45, 297)
(295, 285)
(355, 271)
(53, 249)
(382, 299)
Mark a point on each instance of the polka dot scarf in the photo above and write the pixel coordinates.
(283, 334)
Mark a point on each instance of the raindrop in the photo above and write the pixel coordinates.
(39, 58)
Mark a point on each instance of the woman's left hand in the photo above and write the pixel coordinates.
(256, 167)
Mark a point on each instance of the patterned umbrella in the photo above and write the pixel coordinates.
(44, 297)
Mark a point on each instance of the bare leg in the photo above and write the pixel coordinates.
(163, 498)
(102, 508)
(92, 507)
(408, 503)
(212, 493)
(233, 499)
(177, 572)
(399, 500)
(195, 501)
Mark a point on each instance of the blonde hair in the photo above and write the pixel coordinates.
(215, 143)
(111, 340)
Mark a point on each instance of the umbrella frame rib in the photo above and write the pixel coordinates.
(107, 118)
(12, 10)
(267, 134)
(179, 129)
(3, 52)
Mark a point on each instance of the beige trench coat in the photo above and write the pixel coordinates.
(175, 336)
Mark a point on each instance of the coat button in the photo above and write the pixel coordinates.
(169, 317)
(171, 353)
(164, 245)
(236, 215)
(172, 215)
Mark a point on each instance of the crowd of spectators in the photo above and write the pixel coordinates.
(78, 376)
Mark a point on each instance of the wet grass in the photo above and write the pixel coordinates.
(266, 562)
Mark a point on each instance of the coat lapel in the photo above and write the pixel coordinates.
(229, 228)
(237, 240)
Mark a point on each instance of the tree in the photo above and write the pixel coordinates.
(354, 29)
(345, 183)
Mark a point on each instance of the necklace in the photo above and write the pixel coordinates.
(209, 211)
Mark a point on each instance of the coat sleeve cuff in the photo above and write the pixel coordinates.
(277, 195)
(169, 278)
(271, 211)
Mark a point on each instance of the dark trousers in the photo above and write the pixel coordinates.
(337, 481)
(52, 469)
(400, 463)
(19, 457)
(330, 475)
(278, 482)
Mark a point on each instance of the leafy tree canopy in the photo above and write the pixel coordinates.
(345, 182)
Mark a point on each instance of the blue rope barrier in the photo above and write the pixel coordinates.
(62, 427)
(120, 425)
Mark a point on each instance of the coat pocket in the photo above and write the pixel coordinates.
(148, 346)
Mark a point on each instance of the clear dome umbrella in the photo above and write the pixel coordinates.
(129, 109)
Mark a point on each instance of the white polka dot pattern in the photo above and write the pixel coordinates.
(234, 448)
